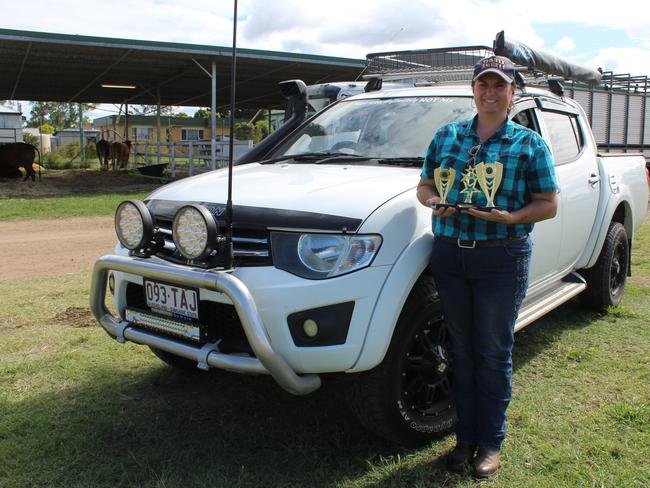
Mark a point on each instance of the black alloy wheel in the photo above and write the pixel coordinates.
(426, 370)
(606, 279)
(407, 397)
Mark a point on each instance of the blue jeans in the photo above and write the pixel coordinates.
(481, 290)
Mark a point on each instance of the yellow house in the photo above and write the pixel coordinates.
(143, 128)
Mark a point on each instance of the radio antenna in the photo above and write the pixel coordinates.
(233, 73)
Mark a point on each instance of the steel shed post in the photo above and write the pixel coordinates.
(213, 118)
(82, 152)
(158, 121)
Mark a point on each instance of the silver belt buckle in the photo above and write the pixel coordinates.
(466, 247)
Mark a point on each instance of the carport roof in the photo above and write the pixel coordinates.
(42, 66)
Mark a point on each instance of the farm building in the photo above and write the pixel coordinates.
(91, 69)
(144, 128)
(65, 137)
(11, 123)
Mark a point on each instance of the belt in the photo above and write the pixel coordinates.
(470, 244)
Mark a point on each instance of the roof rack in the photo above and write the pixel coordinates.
(456, 64)
(626, 82)
(421, 61)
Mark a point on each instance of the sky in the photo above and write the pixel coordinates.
(612, 35)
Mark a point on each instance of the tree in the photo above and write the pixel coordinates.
(202, 113)
(151, 109)
(181, 115)
(47, 129)
(244, 131)
(31, 139)
(59, 115)
(261, 130)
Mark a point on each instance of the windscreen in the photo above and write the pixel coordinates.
(377, 128)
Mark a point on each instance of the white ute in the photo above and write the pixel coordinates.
(331, 249)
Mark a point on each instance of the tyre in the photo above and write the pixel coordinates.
(606, 279)
(407, 398)
(173, 360)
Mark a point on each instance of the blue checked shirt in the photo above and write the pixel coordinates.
(528, 167)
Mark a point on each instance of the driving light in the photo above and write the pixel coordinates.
(194, 231)
(133, 224)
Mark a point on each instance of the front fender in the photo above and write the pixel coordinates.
(397, 287)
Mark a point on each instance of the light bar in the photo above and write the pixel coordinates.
(124, 87)
(169, 326)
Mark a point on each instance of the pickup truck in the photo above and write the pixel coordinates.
(331, 247)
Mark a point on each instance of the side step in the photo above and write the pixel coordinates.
(545, 300)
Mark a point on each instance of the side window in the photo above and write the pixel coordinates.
(527, 119)
(565, 134)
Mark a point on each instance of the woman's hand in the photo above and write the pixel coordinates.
(441, 212)
(542, 206)
(494, 215)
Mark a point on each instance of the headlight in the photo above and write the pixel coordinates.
(319, 256)
(133, 224)
(194, 231)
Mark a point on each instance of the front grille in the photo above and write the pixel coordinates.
(218, 322)
(251, 246)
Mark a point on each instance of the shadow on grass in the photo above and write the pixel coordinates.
(162, 427)
(542, 333)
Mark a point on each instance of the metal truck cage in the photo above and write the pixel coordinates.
(616, 104)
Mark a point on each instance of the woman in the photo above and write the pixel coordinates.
(481, 255)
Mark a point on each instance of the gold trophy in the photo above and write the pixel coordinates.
(489, 176)
(444, 179)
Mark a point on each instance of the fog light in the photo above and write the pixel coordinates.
(111, 283)
(310, 327)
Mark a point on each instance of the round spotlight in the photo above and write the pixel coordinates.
(310, 327)
(194, 231)
(133, 224)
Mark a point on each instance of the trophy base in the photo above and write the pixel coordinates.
(463, 206)
(438, 206)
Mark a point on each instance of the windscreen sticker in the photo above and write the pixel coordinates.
(389, 101)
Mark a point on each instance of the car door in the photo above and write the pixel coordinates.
(578, 174)
(546, 235)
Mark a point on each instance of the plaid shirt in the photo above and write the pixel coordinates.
(528, 167)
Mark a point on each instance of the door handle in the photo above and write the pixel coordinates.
(593, 179)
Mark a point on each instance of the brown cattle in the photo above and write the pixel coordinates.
(103, 148)
(17, 155)
(120, 154)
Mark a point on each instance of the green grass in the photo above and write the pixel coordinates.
(61, 207)
(79, 410)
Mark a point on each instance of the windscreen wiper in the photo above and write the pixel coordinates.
(320, 157)
(415, 161)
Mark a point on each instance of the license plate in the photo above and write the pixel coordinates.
(172, 300)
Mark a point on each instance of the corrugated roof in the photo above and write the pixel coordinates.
(71, 68)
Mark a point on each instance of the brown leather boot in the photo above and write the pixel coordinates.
(486, 462)
(460, 457)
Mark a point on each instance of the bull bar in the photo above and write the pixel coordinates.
(267, 360)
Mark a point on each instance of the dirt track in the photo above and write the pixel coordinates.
(33, 248)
